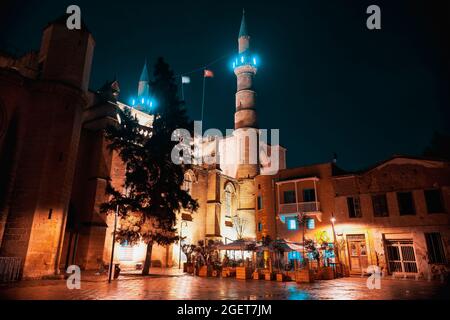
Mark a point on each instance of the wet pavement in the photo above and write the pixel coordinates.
(173, 285)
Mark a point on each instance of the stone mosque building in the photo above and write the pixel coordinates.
(56, 164)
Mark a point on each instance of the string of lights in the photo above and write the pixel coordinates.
(205, 66)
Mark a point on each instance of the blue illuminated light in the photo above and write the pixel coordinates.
(245, 58)
(143, 100)
(133, 102)
(291, 223)
(310, 224)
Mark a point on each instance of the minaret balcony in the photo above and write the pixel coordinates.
(245, 59)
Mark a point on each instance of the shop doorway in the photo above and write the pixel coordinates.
(357, 252)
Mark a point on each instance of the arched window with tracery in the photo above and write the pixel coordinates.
(230, 198)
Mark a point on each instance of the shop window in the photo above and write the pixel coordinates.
(433, 199)
(379, 203)
(289, 196)
(436, 253)
(406, 203)
(354, 207)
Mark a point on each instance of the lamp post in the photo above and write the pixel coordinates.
(113, 245)
(181, 239)
(336, 250)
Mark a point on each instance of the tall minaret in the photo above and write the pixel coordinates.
(245, 120)
(143, 88)
(245, 70)
(143, 102)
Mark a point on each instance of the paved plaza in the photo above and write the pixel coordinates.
(173, 285)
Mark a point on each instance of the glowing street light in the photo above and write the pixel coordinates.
(336, 250)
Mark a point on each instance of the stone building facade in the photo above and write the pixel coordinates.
(393, 215)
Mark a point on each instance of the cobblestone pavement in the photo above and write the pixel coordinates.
(176, 286)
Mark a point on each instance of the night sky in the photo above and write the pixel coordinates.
(326, 81)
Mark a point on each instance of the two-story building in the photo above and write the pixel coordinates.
(393, 215)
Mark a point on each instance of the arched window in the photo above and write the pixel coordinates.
(230, 195)
(189, 178)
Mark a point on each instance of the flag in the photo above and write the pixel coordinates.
(208, 74)
(185, 79)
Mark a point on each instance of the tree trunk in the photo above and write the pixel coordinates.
(148, 259)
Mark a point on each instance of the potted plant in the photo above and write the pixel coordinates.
(188, 249)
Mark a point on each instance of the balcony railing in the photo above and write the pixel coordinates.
(288, 208)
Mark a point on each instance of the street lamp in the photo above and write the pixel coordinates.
(111, 268)
(336, 251)
(182, 223)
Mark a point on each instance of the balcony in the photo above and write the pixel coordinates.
(301, 207)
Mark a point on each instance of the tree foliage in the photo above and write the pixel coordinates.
(152, 193)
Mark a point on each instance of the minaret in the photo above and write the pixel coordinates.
(143, 101)
(143, 88)
(245, 120)
(245, 70)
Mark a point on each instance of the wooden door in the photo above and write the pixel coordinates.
(357, 252)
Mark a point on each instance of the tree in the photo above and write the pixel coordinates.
(153, 183)
(240, 225)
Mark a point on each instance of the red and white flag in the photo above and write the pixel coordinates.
(208, 74)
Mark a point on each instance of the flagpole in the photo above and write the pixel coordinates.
(182, 89)
(203, 96)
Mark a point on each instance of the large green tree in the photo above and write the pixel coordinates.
(153, 183)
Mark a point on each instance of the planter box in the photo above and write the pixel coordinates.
(327, 273)
(257, 275)
(281, 277)
(269, 276)
(243, 273)
(204, 272)
(188, 267)
(304, 276)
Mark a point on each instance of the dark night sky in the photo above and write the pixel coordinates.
(326, 81)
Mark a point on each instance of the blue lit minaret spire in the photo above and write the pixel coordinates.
(143, 88)
(143, 100)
